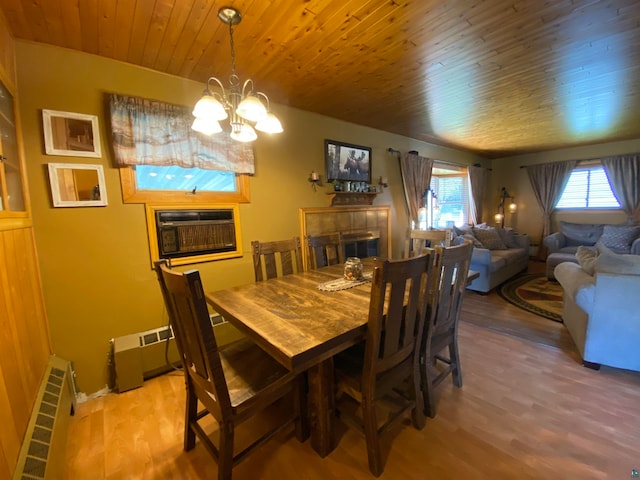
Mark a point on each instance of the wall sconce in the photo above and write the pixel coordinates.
(383, 182)
(512, 207)
(314, 178)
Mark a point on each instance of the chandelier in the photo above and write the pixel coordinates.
(242, 106)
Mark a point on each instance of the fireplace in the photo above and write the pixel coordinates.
(366, 230)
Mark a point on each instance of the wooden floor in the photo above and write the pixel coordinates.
(527, 410)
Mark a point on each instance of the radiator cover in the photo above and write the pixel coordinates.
(42, 455)
(144, 355)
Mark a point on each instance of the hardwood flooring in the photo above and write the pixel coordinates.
(527, 410)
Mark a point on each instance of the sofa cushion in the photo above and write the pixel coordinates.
(587, 257)
(490, 238)
(581, 233)
(619, 237)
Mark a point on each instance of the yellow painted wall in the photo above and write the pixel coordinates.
(528, 218)
(95, 262)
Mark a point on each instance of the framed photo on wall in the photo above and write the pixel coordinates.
(71, 134)
(345, 161)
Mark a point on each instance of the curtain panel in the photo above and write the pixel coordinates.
(416, 179)
(478, 177)
(548, 181)
(623, 173)
(150, 132)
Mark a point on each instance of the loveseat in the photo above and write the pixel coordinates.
(600, 308)
(498, 254)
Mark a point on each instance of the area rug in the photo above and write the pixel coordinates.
(535, 294)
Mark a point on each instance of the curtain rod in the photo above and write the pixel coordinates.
(393, 150)
(569, 160)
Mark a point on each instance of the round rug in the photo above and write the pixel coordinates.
(535, 294)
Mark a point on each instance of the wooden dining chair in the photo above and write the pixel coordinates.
(379, 368)
(417, 240)
(233, 383)
(324, 250)
(441, 355)
(276, 258)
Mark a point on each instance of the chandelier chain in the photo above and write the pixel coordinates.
(233, 52)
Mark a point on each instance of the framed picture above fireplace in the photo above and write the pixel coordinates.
(348, 162)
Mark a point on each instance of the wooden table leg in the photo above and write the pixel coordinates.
(321, 407)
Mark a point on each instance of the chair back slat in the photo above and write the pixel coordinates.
(324, 250)
(187, 308)
(276, 258)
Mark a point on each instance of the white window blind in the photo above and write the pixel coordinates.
(588, 187)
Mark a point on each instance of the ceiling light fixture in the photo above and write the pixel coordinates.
(242, 106)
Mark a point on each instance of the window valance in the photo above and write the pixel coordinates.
(150, 132)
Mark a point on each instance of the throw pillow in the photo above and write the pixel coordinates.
(587, 258)
(459, 240)
(462, 230)
(619, 237)
(618, 264)
(580, 233)
(508, 237)
(490, 238)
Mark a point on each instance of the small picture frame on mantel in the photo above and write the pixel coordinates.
(347, 162)
(71, 134)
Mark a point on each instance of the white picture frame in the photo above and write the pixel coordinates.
(77, 185)
(71, 134)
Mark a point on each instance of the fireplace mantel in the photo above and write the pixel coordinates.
(351, 198)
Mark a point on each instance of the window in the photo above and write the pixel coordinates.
(447, 201)
(174, 184)
(588, 187)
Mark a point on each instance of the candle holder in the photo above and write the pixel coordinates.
(314, 178)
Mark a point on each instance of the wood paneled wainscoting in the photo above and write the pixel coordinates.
(354, 222)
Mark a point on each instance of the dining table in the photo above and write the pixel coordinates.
(303, 327)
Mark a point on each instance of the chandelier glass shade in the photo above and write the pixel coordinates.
(246, 109)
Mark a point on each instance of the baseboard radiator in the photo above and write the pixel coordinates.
(42, 455)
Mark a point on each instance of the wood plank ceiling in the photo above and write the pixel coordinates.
(493, 77)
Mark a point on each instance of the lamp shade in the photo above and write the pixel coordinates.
(206, 127)
(269, 124)
(245, 133)
(251, 109)
(209, 108)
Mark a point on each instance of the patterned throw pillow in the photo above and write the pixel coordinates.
(619, 237)
(490, 238)
(508, 237)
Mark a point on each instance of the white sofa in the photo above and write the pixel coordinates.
(600, 307)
